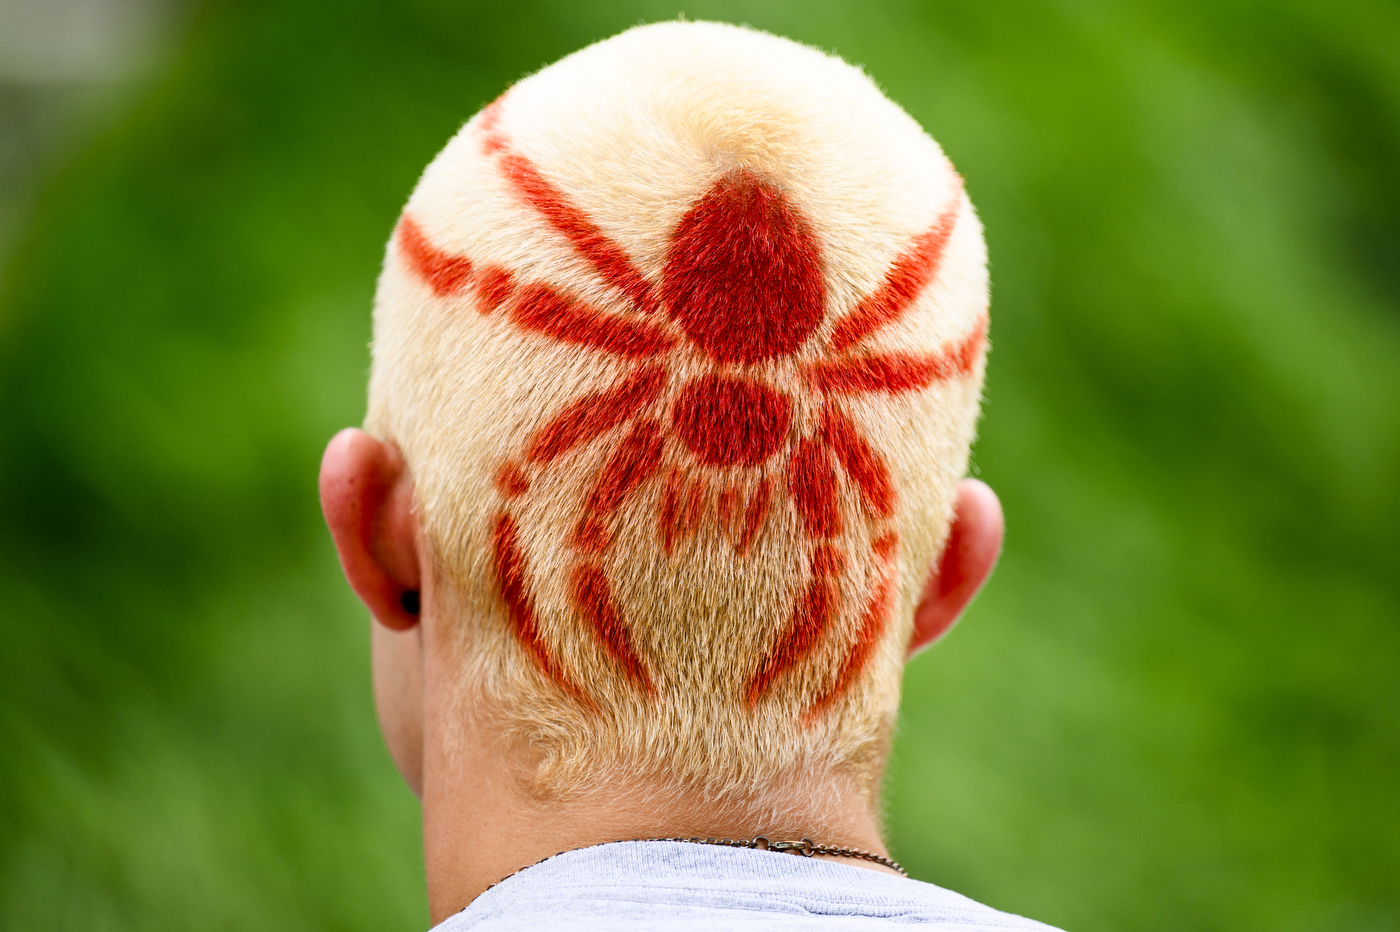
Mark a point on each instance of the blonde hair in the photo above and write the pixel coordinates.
(683, 341)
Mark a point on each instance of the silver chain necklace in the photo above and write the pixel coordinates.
(806, 847)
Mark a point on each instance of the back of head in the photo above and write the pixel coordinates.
(682, 339)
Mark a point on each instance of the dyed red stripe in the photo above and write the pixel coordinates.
(685, 505)
(895, 373)
(812, 481)
(810, 617)
(591, 536)
(593, 597)
(865, 466)
(636, 459)
(541, 309)
(695, 503)
(494, 286)
(606, 257)
(670, 510)
(755, 515)
(872, 629)
(962, 358)
(513, 582)
(885, 547)
(594, 415)
(511, 482)
(727, 508)
(444, 273)
(910, 274)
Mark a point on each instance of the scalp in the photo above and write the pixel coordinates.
(683, 340)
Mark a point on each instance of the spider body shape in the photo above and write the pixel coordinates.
(730, 374)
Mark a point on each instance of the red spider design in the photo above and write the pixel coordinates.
(743, 283)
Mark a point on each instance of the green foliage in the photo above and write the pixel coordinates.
(1175, 707)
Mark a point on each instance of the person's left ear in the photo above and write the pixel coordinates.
(974, 543)
(367, 498)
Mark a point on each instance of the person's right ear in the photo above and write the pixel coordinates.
(367, 498)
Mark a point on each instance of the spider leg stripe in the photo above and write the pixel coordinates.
(725, 508)
(512, 579)
(755, 515)
(872, 629)
(591, 536)
(593, 597)
(695, 503)
(810, 618)
(494, 285)
(861, 462)
(444, 273)
(682, 507)
(636, 460)
(908, 277)
(606, 257)
(885, 546)
(593, 415)
(668, 513)
(812, 481)
(511, 481)
(896, 373)
(541, 309)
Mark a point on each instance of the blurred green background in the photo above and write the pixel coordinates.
(1177, 705)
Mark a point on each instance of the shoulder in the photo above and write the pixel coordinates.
(644, 885)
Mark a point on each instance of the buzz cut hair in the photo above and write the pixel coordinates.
(682, 339)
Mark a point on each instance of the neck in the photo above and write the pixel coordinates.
(481, 824)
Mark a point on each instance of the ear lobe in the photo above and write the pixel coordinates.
(974, 543)
(367, 499)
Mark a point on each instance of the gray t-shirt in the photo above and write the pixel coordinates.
(680, 887)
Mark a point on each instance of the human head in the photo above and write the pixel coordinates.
(682, 343)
